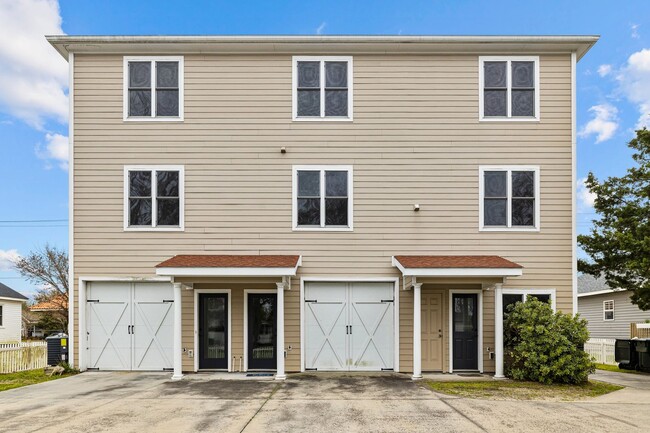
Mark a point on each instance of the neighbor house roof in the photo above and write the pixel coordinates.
(229, 265)
(588, 285)
(56, 303)
(456, 266)
(9, 293)
(317, 44)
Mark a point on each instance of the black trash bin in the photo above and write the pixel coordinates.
(642, 347)
(625, 354)
(57, 349)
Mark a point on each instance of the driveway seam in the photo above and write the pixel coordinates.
(273, 391)
(604, 415)
(444, 400)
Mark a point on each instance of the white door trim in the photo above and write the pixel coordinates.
(246, 292)
(196, 325)
(395, 282)
(479, 292)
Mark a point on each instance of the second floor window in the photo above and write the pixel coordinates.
(153, 198)
(509, 88)
(322, 88)
(322, 198)
(153, 88)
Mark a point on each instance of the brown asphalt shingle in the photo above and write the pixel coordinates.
(235, 261)
(455, 262)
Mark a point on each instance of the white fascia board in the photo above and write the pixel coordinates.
(227, 272)
(3, 298)
(600, 292)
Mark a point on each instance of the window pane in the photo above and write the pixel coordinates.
(523, 74)
(541, 298)
(140, 211)
(167, 184)
(523, 212)
(509, 300)
(336, 102)
(309, 212)
(309, 74)
(139, 184)
(523, 103)
(336, 184)
(495, 103)
(139, 102)
(309, 103)
(336, 211)
(168, 211)
(167, 74)
(309, 184)
(139, 74)
(496, 184)
(336, 74)
(495, 74)
(167, 103)
(494, 212)
(523, 184)
(609, 315)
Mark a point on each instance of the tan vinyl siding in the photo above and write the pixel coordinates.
(415, 138)
(591, 309)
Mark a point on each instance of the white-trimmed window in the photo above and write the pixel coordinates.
(322, 197)
(608, 310)
(509, 88)
(509, 198)
(154, 198)
(1, 316)
(512, 296)
(322, 88)
(153, 88)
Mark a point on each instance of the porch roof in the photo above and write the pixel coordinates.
(457, 266)
(203, 265)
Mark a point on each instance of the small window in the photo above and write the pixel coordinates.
(512, 296)
(153, 198)
(509, 88)
(153, 88)
(509, 198)
(1, 317)
(608, 310)
(322, 198)
(322, 88)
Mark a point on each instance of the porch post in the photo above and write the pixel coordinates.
(498, 331)
(178, 350)
(279, 374)
(417, 332)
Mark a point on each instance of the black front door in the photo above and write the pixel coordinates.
(262, 331)
(213, 330)
(465, 331)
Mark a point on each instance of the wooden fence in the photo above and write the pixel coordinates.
(640, 330)
(25, 356)
(601, 350)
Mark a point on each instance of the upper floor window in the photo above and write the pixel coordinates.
(608, 310)
(509, 198)
(322, 88)
(322, 198)
(509, 88)
(153, 88)
(153, 198)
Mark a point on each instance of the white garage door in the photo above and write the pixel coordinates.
(130, 326)
(349, 326)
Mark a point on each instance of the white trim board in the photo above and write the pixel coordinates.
(196, 325)
(574, 185)
(246, 293)
(600, 292)
(71, 299)
(533, 291)
(479, 293)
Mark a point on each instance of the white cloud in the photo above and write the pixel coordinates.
(634, 82)
(56, 149)
(604, 123)
(321, 28)
(604, 70)
(7, 259)
(33, 76)
(586, 198)
(635, 31)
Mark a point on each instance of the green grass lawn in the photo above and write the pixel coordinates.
(516, 390)
(615, 368)
(24, 378)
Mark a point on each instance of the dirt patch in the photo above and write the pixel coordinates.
(219, 389)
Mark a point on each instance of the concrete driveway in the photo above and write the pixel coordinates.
(144, 402)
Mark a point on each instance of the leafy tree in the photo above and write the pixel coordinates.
(619, 242)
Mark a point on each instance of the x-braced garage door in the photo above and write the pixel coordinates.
(130, 326)
(349, 326)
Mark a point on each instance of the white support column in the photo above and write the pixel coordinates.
(498, 331)
(178, 343)
(417, 332)
(279, 374)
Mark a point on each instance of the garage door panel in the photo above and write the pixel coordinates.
(325, 326)
(372, 326)
(153, 335)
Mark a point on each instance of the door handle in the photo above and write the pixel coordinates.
(128, 329)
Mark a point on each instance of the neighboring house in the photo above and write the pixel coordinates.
(54, 308)
(292, 203)
(608, 311)
(11, 307)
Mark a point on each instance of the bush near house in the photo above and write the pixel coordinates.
(544, 346)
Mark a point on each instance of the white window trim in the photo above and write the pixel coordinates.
(294, 88)
(181, 89)
(181, 198)
(605, 319)
(509, 168)
(532, 291)
(508, 59)
(294, 199)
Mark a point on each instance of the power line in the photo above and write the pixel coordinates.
(33, 221)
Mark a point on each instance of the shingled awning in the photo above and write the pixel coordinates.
(457, 266)
(229, 265)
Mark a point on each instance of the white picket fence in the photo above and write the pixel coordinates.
(28, 355)
(601, 350)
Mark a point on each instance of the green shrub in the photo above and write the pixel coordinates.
(544, 346)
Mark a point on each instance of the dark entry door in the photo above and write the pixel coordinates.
(465, 330)
(262, 331)
(213, 330)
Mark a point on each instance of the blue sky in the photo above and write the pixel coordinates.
(613, 79)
